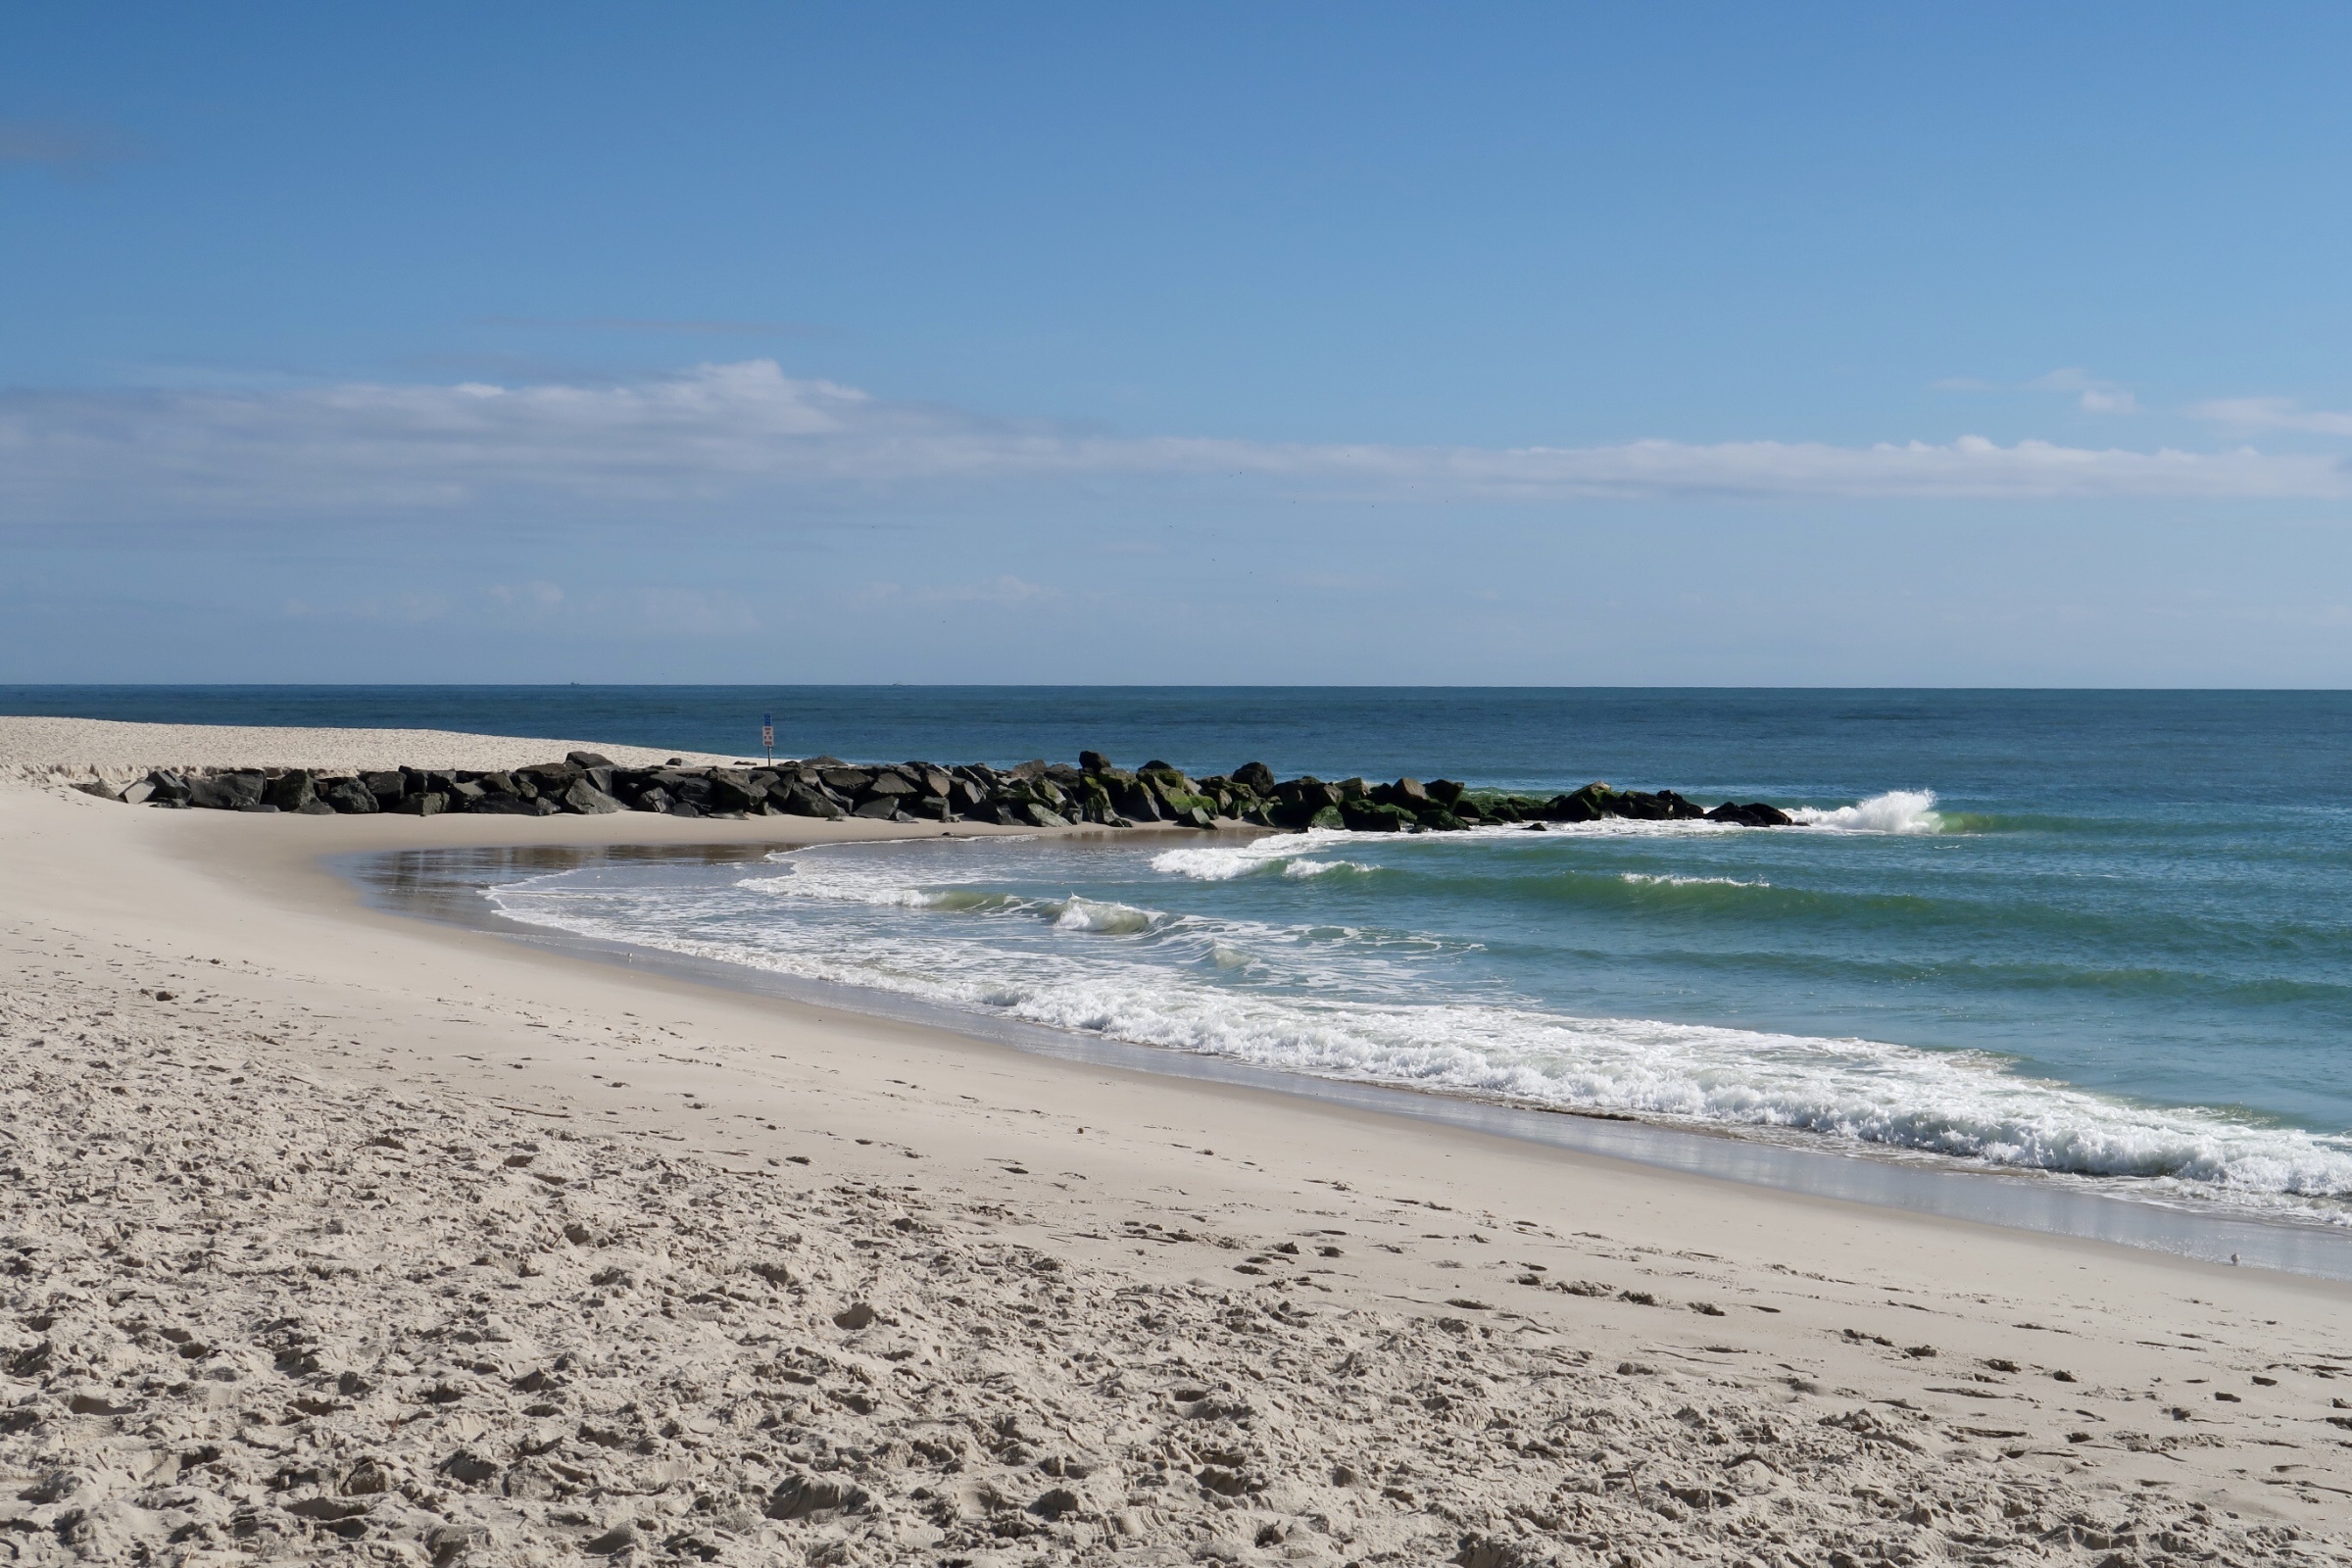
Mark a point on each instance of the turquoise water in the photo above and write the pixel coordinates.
(2101, 935)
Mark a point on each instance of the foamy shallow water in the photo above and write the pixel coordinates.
(1680, 972)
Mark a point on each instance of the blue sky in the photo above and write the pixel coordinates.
(1565, 345)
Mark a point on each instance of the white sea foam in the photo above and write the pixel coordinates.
(1111, 919)
(1306, 869)
(1895, 811)
(1363, 1004)
(1664, 879)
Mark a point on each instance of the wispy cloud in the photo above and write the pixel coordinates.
(2272, 414)
(72, 151)
(2092, 394)
(723, 433)
(1005, 589)
(663, 325)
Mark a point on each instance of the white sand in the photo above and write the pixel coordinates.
(35, 750)
(388, 1238)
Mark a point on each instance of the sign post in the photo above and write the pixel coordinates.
(767, 736)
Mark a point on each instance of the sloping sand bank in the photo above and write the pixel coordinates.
(335, 1234)
(64, 750)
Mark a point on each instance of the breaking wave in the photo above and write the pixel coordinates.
(1346, 1001)
(1895, 811)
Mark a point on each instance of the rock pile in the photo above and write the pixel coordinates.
(1036, 794)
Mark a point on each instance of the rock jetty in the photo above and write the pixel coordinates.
(1036, 794)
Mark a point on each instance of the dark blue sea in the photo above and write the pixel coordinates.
(2101, 935)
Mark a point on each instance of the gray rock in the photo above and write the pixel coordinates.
(587, 800)
(850, 781)
(290, 791)
(731, 791)
(1043, 816)
(890, 784)
(654, 799)
(387, 788)
(487, 805)
(799, 799)
(882, 807)
(584, 760)
(1136, 800)
(349, 795)
(1256, 776)
(425, 803)
(226, 792)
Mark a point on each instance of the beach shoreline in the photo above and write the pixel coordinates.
(446, 885)
(1521, 1323)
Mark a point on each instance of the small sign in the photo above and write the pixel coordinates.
(768, 735)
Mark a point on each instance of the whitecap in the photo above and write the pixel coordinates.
(1895, 811)
(1106, 919)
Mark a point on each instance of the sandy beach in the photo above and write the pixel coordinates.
(336, 1235)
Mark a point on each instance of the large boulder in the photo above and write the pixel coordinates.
(890, 784)
(850, 781)
(386, 787)
(1167, 776)
(586, 800)
(488, 805)
(1136, 800)
(291, 790)
(584, 760)
(424, 803)
(799, 799)
(1043, 816)
(730, 791)
(1753, 814)
(880, 809)
(226, 792)
(348, 797)
(551, 779)
(1363, 815)
(1588, 805)
(1257, 777)
(1094, 762)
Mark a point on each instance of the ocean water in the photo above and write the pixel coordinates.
(2102, 936)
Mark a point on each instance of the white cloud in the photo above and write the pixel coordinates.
(2272, 414)
(721, 432)
(1005, 589)
(2093, 395)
